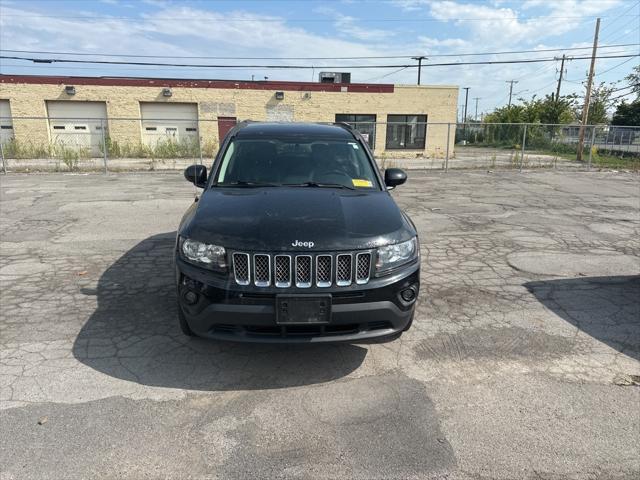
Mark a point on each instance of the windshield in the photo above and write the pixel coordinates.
(296, 162)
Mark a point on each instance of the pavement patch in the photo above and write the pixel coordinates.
(571, 264)
(497, 344)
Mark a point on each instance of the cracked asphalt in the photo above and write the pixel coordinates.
(528, 318)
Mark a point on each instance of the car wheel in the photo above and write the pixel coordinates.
(184, 326)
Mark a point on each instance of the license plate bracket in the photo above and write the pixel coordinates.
(303, 309)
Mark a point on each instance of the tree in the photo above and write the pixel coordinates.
(536, 110)
(627, 114)
(600, 103)
(634, 81)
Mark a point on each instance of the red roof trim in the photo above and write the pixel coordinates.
(188, 83)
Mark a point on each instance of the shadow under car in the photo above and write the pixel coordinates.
(134, 335)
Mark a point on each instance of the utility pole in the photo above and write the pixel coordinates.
(419, 59)
(466, 100)
(587, 98)
(560, 79)
(476, 116)
(511, 82)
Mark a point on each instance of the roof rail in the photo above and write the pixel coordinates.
(245, 122)
(344, 125)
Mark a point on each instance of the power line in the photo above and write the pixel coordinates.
(614, 67)
(627, 33)
(619, 29)
(620, 16)
(223, 19)
(141, 69)
(622, 95)
(625, 88)
(370, 57)
(299, 67)
(384, 76)
(543, 87)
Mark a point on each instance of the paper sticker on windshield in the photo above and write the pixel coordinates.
(355, 146)
(358, 182)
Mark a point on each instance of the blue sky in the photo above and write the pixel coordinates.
(338, 28)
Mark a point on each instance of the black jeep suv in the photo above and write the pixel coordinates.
(295, 238)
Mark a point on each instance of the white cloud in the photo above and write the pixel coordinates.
(492, 24)
(181, 31)
(499, 26)
(348, 28)
(457, 44)
(410, 5)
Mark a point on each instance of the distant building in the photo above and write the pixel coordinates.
(73, 111)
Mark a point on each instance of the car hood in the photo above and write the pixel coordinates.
(273, 219)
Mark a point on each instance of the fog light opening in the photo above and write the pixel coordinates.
(408, 294)
(190, 297)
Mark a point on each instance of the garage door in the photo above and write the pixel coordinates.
(6, 124)
(169, 122)
(77, 125)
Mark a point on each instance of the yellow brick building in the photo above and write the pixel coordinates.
(399, 120)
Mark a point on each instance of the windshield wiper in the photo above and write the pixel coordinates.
(318, 185)
(243, 183)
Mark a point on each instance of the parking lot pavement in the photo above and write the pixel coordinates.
(528, 326)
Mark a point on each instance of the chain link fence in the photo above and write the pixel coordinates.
(533, 145)
(76, 144)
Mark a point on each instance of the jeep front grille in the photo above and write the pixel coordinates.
(262, 270)
(241, 268)
(282, 271)
(303, 270)
(363, 267)
(323, 270)
(343, 270)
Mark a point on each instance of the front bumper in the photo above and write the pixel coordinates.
(227, 311)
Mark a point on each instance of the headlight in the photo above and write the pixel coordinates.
(393, 256)
(203, 254)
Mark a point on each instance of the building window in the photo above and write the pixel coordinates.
(406, 132)
(365, 124)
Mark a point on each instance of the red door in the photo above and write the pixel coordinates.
(224, 125)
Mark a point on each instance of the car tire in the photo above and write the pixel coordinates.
(184, 326)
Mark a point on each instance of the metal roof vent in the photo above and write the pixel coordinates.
(334, 77)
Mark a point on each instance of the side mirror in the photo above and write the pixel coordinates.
(196, 174)
(394, 177)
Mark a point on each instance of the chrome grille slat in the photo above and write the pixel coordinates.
(262, 270)
(324, 270)
(241, 268)
(282, 271)
(303, 271)
(363, 267)
(343, 269)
